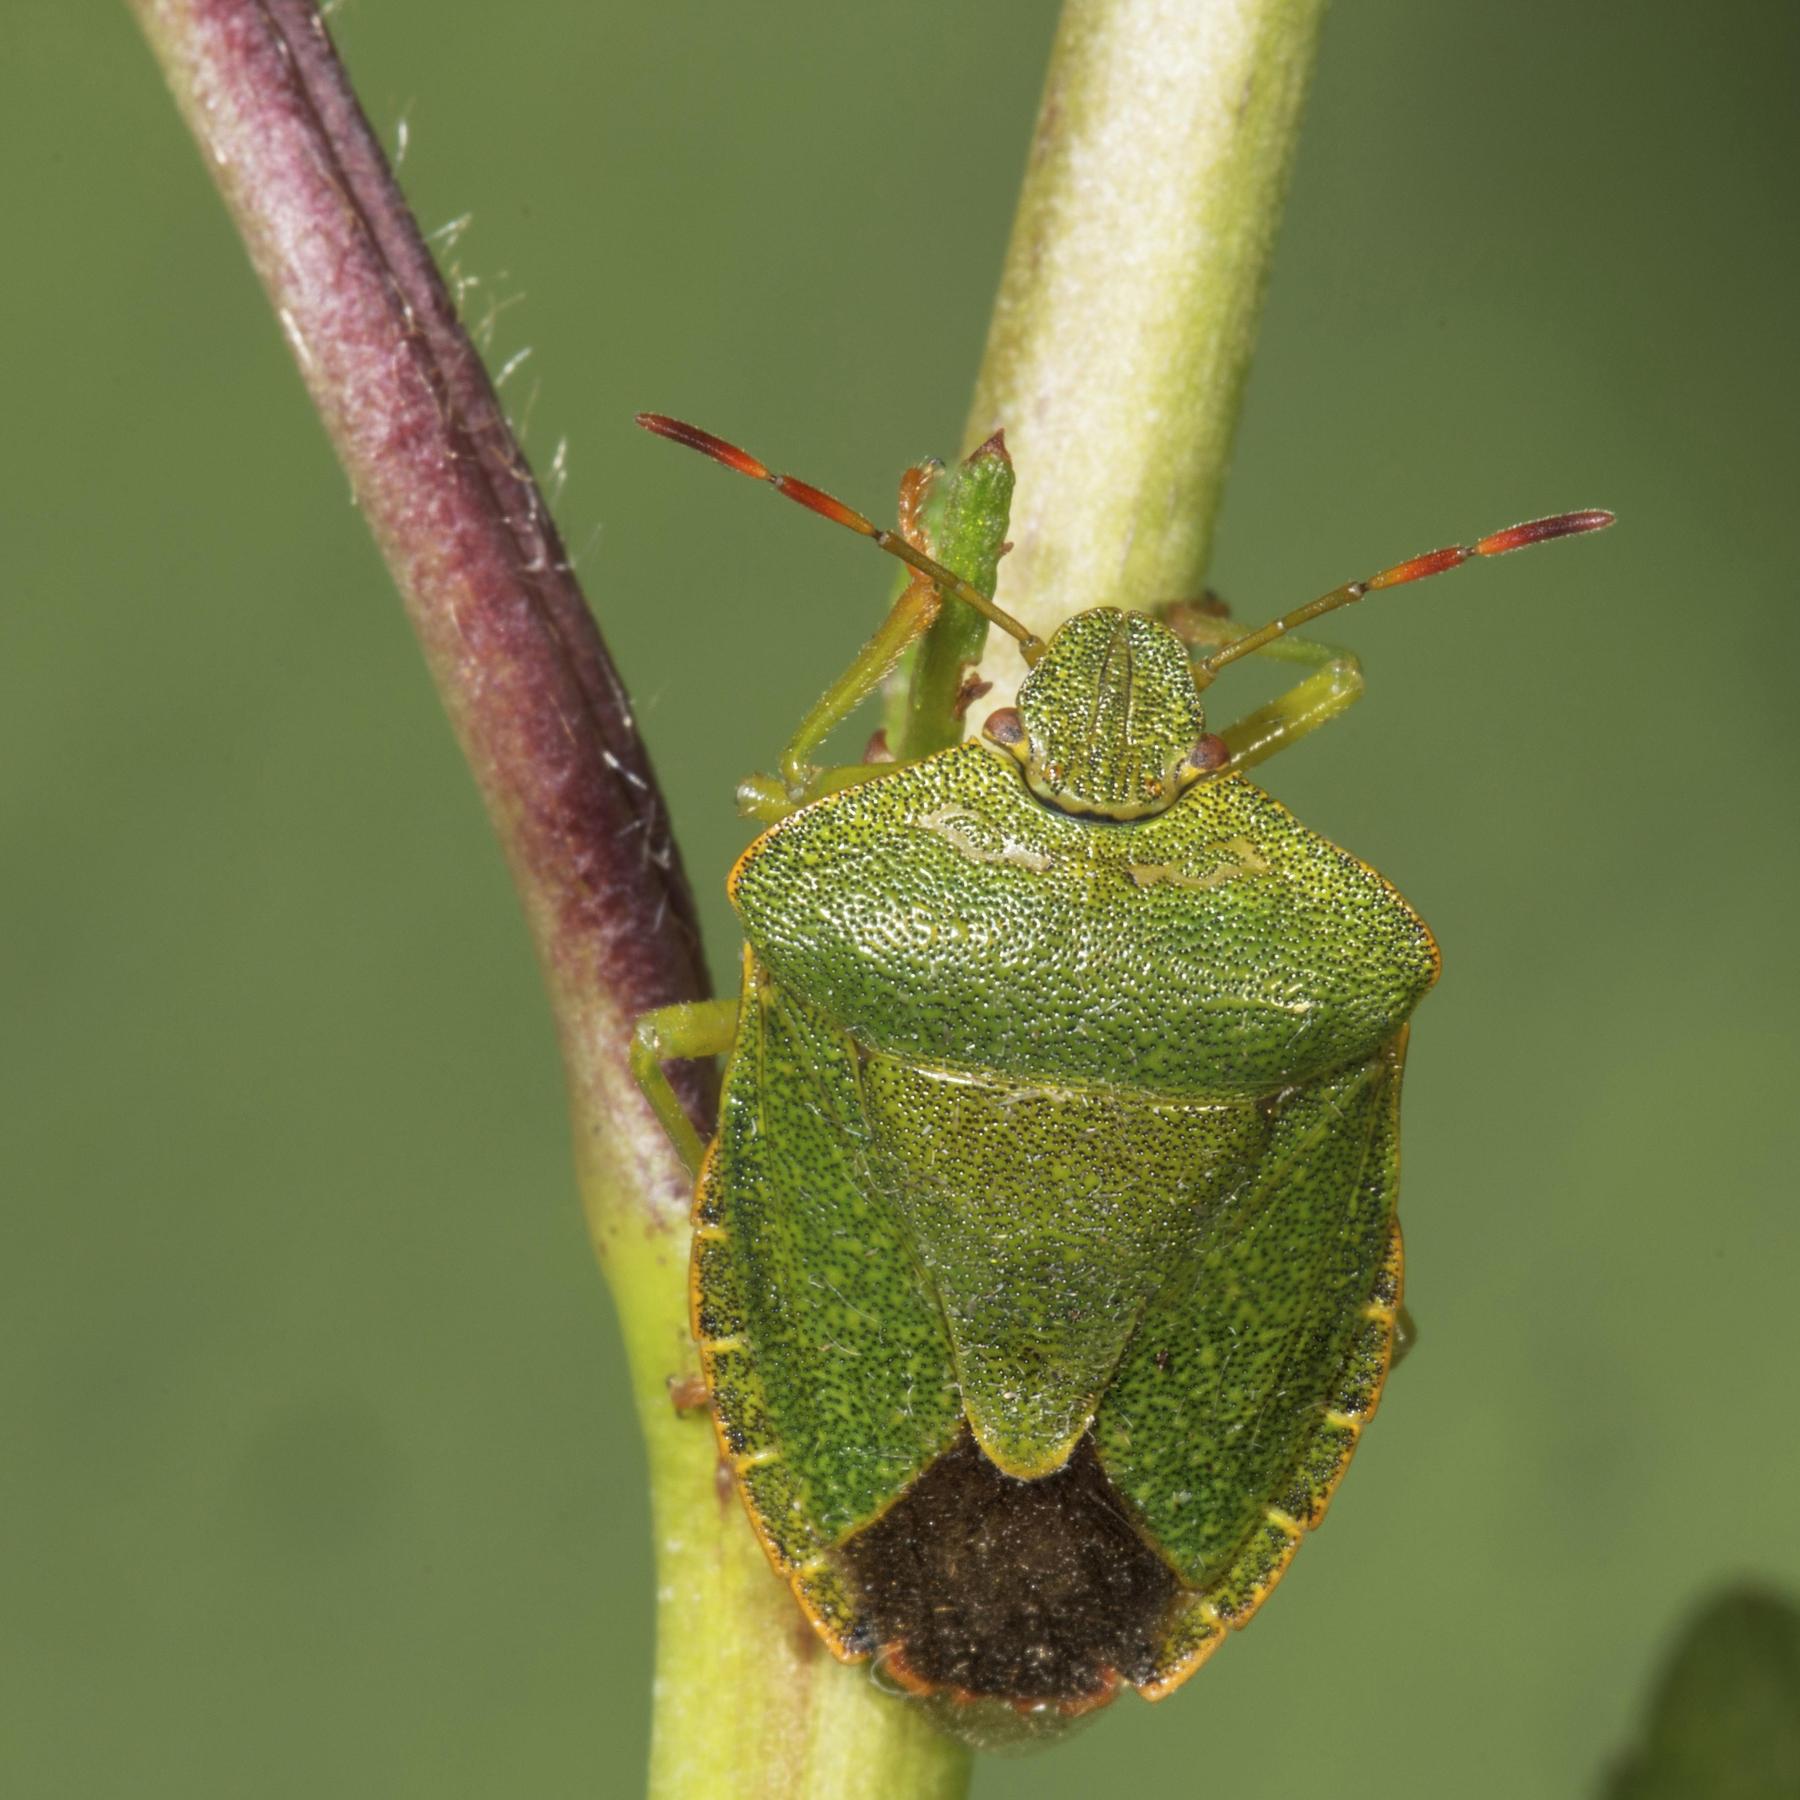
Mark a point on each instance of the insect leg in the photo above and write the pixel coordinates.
(1335, 684)
(912, 614)
(676, 1034)
(800, 778)
(1406, 1334)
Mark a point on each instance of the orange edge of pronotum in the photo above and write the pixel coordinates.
(1166, 1685)
(1437, 953)
(751, 849)
(1369, 869)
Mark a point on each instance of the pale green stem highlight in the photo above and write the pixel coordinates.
(1127, 310)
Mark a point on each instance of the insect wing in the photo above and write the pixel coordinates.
(1241, 1399)
(831, 1376)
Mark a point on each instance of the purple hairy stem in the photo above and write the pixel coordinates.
(436, 469)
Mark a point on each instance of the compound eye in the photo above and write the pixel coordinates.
(1005, 727)
(1208, 755)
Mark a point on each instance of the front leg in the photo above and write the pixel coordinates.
(800, 780)
(683, 1033)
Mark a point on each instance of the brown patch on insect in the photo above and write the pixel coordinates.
(981, 1587)
(1086, 1703)
(968, 690)
(876, 749)
(1249, 861)
(687, 1393)
(895, 1670)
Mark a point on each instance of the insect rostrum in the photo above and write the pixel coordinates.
(1046, 1264)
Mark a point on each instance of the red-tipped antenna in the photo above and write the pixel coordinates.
(1433, 562)
(945, 580)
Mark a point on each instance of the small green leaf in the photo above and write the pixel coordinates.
(968, 535)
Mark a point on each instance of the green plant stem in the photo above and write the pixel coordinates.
(1128, 306)
(1115, 362)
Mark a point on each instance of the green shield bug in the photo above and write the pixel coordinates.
(1046, 1267)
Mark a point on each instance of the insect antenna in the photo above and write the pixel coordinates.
(1433, 562)
(827, 506)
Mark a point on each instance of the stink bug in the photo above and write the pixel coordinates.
(1046, 1267)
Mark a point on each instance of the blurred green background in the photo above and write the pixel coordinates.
(318, 1472)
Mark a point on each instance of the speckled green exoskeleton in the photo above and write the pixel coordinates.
(1046, 1268)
